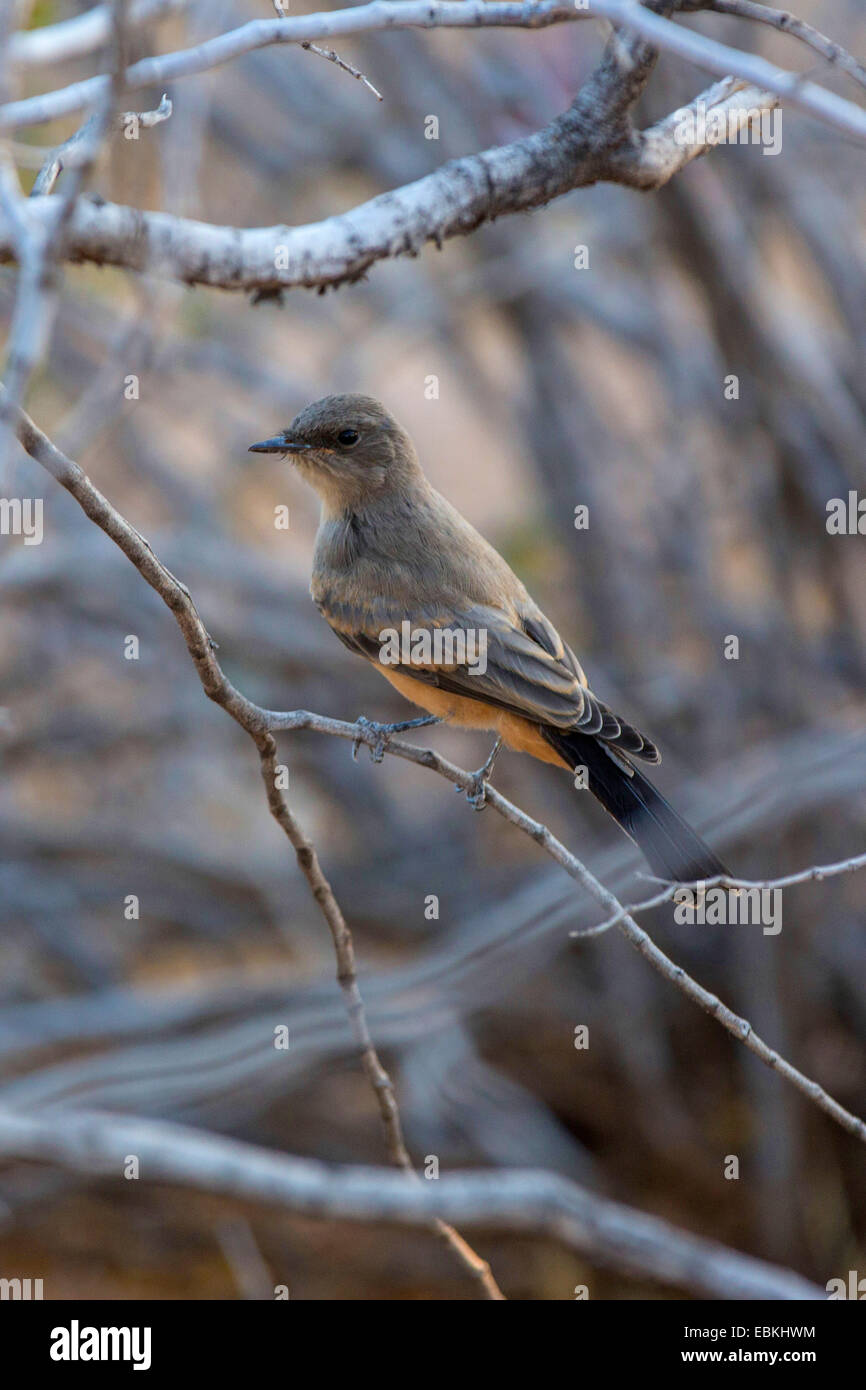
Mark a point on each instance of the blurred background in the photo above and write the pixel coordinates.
(554, 387)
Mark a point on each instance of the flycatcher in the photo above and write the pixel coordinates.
(407, 583)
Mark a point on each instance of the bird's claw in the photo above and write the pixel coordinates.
(384, 732)
(476, 792)
(377, 749)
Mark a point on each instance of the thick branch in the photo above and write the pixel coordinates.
(584, 145)
(590, 142)
(606, 1232)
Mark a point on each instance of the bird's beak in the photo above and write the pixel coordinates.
(279, 444)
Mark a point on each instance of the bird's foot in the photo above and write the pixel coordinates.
(476, 792)
(383, 733)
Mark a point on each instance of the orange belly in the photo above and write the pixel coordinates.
(516, 732)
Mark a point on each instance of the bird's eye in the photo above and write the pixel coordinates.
(347, 438)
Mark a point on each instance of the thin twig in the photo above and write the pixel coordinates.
(816, 874)
(788, 23)
(380, 1081)
(333, 57)
(76, 151)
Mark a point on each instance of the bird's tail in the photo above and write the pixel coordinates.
(671, 848)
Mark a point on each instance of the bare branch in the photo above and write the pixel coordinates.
(606, 1232)
(585, 145)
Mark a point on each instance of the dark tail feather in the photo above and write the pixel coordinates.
(671, 848)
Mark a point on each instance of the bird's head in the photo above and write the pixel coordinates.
(349, 448)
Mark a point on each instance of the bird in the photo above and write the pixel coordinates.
(393, 558)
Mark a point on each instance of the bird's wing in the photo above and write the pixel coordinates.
(519, 664)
